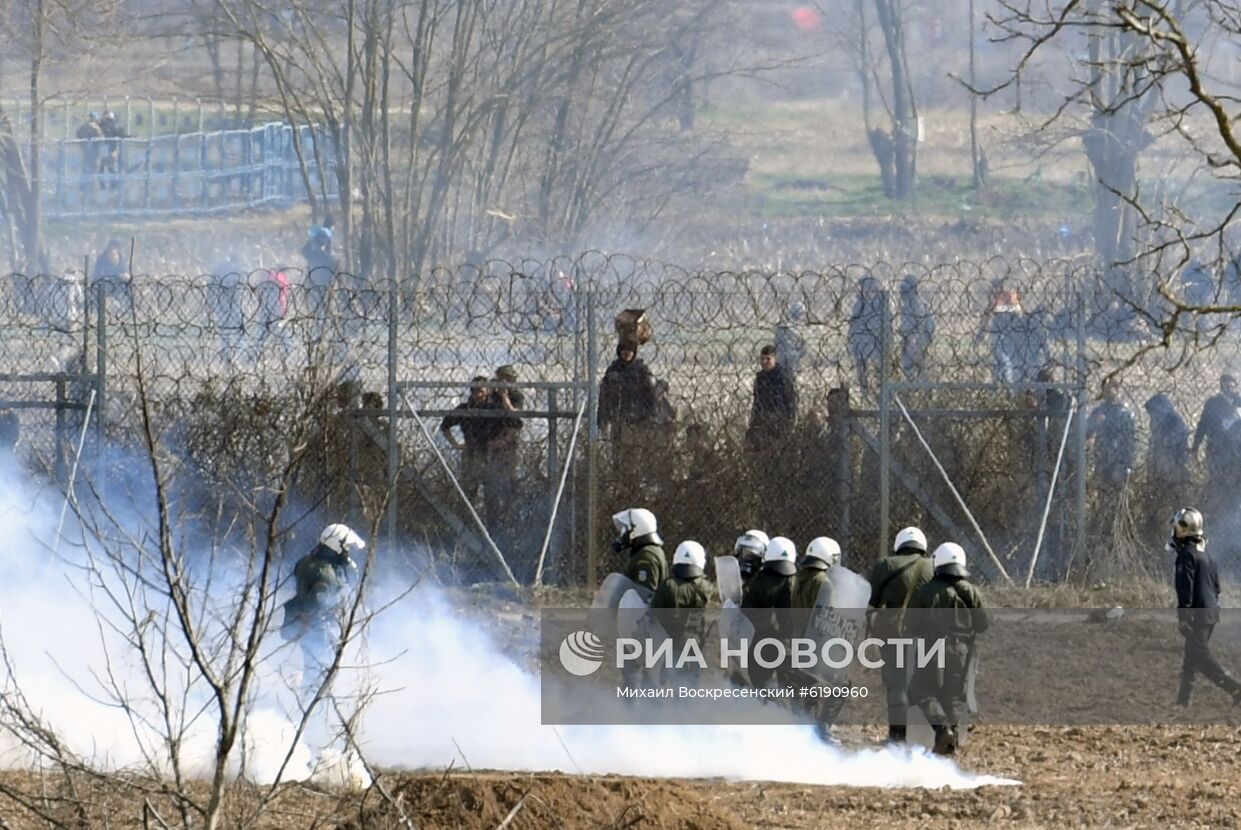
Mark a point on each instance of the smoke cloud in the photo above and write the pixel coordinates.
(448, 691)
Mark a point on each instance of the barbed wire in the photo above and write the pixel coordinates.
(208, 345)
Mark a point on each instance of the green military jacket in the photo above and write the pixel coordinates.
(958, 606)
(893, 582)
(806, 590)
(674, 592)
(647, 566)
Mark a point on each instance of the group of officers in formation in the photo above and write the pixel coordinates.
(910, 577)
(773, 577)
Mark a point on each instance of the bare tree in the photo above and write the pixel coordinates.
(1146, 79)
(37, 30)
(185, 615)
(882, 65)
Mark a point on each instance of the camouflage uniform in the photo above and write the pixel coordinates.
(893, 581)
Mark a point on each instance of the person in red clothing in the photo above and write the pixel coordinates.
(271, 293)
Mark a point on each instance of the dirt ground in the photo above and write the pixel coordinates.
(1072, 777)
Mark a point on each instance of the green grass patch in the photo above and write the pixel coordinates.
(777, 195)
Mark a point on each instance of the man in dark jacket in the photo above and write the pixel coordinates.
(893, 581)
(1220, 427)
(955, 614)
(627, 391)
(476, 434)
(1197, 602)
(775, 402)
(1167, 463)
(503, 461)
(1113, 429)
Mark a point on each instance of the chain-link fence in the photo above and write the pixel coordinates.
(952, 397)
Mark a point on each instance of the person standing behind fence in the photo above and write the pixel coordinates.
(790, 344)
(90, 133)
(915, 329)
(225, 307)
(774, 411)
(477, 434)
(1112, 429)
(1220, 427)
(500, 490)
(110, 163)
(866, 329)
(1167, 460)
(627, 405)
(321, 268)
(112, 272)
(271, 294)
(1004, 320)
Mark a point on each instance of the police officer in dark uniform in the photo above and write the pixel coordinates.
(893, 581)
(821, 554)
(1197, 602)
(749, 550)
(770, 589)
(956, 615)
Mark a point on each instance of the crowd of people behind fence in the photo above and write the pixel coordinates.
(250, 310)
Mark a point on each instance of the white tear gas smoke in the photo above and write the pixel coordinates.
(461, 694)
(446, 687)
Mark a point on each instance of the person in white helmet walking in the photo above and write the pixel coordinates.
(1197, 602)
(893, 580)
(957, 616)
(310, 617)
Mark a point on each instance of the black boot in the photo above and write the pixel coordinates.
(896, 734)
(1186, 691)
(945, 740)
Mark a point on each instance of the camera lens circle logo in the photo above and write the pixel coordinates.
(581, 654)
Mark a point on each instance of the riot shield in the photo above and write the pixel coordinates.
(728, 579)
(839, 613)
(614, 587)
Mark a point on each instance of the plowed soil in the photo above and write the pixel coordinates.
(1071, 777)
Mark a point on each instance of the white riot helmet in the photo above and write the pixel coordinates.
(822, 553)
(781, 556)
(949, 558)
(635, 523)
(910, 537)
(1187, 524)
(690, 560)
(752, 542)
(341, 539)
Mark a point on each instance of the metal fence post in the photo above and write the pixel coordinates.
(885, 439)
(592, 436)
(1079, 438)
(393, 451)
(101, 366)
